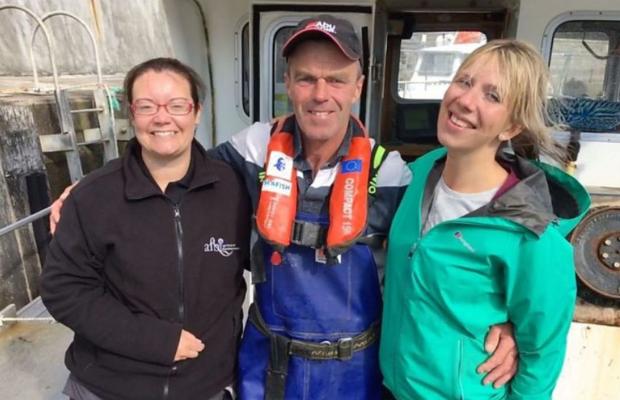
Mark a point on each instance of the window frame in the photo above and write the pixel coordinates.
(492, 22)
(275, 57)
(396, 70)
(546, 49)
(241, 57)
(570, 16)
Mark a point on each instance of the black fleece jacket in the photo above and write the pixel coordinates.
(128, 269)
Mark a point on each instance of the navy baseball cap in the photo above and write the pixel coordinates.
(338, 30)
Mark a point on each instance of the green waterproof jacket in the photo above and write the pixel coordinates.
(507, 261)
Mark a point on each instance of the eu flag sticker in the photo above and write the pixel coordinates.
(351, 166)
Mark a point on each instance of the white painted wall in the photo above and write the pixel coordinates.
(222, 25)
(189, 45)
(591, 369)
(127, 32)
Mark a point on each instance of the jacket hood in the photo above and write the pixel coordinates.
(544, 194)
(569, 199)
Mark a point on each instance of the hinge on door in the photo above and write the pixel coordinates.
(376, 72)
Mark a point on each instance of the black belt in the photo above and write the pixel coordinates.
(282, 347)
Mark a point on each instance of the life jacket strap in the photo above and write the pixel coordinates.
(279, 352)
(257, 263)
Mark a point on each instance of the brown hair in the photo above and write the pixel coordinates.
(196, 84)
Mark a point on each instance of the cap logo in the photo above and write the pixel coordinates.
(323, 26)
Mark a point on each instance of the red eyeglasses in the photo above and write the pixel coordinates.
(178, 106)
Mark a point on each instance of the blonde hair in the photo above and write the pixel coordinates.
(524, 85)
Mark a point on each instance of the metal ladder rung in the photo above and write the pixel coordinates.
(93, 135)
(86, 110)
(62, 141)
(56, 142)
(96, 141)
(67, 142)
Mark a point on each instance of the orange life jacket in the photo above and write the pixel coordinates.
(348, 203)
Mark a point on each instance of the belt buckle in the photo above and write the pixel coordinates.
(345, 348)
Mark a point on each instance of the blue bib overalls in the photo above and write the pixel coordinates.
(311, 301)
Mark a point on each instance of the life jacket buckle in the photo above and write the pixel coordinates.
(308, 234)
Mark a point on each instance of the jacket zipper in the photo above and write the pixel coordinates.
(459, 370)
(179, 238)
(413, 248)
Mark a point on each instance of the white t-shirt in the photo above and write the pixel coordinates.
(448, 204)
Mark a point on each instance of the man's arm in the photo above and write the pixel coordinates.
(392, 179)
(245, 152)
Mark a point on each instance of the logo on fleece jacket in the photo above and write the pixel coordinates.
(219, 246)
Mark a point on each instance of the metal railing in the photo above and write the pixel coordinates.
(88, 31)
(48, 38)
(8, 315)
(25, 221)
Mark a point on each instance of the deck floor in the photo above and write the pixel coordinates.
(32, 358)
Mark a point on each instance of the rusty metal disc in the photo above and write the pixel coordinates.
(597, 251)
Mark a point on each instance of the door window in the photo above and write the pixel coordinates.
(281, 104)
(429, 60)
(585, 74)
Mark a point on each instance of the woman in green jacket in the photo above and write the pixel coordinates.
(479, 239)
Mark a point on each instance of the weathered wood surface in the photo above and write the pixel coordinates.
(20, 157)
(597, 314)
